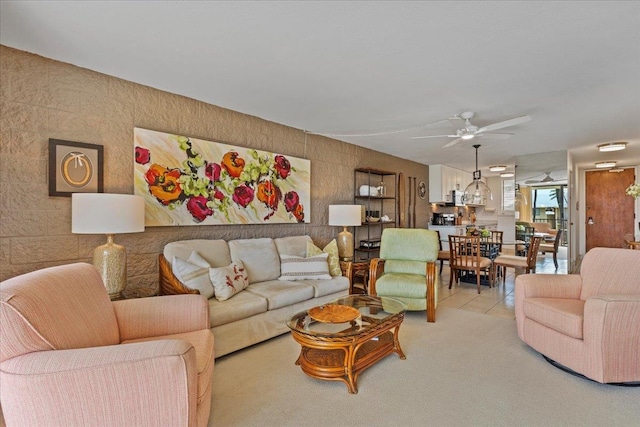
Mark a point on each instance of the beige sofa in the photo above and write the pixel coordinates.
(587, 322)
(260, 311)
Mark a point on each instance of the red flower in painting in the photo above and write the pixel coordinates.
(143, 156)
(291, 200)
(243, 195)
(212, 171)
(218, 195)
(283, 167)
(198, 208)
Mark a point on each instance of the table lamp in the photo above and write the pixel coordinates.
(345, 216)
(105, 213)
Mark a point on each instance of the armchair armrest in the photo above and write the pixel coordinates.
(99, 385)
(567, 286)
(376, 268)
(612, 332)
(163, 315)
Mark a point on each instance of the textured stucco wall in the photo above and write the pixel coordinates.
(42, 98)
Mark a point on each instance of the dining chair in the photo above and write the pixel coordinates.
(528, 262)
(552, 248)
(443, 255)
(465, 255)
(496, 237)
(523, 238)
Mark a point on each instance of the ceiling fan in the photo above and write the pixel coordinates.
(471, 131)
(544, 180)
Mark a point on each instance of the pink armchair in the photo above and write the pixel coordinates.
(70, 356)
(588, 323)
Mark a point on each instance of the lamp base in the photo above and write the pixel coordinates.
(345, 245)
(110, 260)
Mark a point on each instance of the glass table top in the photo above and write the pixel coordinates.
(372, 311)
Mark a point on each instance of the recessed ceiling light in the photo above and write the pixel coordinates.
(616, 170)
(612, 146)
(497, 168)
(607, 164)
(506, 174)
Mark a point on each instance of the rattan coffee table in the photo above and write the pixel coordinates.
(339, 343)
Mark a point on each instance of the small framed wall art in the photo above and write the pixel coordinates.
(75, 167)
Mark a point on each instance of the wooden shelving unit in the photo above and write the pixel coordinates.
(385, 204)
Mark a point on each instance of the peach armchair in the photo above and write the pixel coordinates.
(588, 323)
(70, 356)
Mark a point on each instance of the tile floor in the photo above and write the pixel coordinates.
(498, 300)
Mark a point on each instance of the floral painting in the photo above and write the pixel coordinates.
(189, 181)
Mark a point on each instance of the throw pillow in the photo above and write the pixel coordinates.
(298, 268)
(194, 275)
(228, 280)
(332, 250)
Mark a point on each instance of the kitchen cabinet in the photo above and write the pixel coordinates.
(443, 179)
(367, 236)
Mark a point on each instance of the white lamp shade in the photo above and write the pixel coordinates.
(345, 215)
(105, 213)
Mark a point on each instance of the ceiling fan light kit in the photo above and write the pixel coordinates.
(612, 146)
(497, 168)
(605, 164)
(477, 192)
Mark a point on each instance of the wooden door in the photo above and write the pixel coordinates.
(609, 212)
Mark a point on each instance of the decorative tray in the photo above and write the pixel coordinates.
(334, 313)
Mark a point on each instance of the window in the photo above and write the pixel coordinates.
(508, 195)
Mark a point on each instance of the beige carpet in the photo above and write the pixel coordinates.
(465, 369)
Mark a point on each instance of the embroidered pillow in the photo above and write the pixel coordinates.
(333, 259)
(228, 280)
(193, 273)
(298, 268)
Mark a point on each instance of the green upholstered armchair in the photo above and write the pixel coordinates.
(406, 269)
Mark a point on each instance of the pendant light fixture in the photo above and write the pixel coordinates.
(477, 193)
(520, 199)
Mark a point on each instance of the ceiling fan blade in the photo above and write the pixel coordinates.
(495, 135)
(504, 124)
(452, 143)
(434, 136)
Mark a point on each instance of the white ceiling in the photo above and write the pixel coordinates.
(369, 67)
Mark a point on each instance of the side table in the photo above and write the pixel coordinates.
(359, 278)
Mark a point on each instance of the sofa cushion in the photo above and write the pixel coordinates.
(193, 273)
(216, 252)
(326, 287)
(259, 256)
(241, 306)
(228, 280)
(299, 268)
(293, 245)
(333, 259)
(280, 294)
(563, 315)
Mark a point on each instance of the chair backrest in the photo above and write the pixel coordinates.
(532, 254)
(496, 237)
(556, 241)
(407, 250)
(465, 251)
(610, 271)
(439, 241)
(55, 308)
